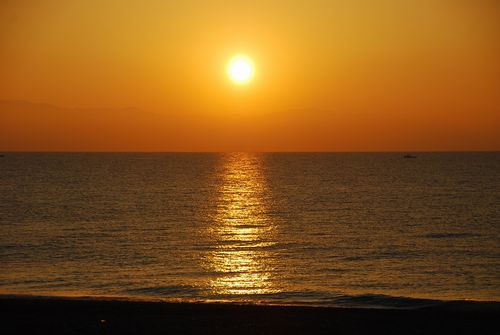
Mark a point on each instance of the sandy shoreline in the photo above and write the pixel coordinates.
(81, 316)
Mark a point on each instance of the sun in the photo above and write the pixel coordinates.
(240, 69)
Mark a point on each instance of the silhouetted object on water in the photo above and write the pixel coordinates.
(409, 156)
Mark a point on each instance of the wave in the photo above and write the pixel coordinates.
(451, 235)
(305, 298)
(385, 301)
(159, 291)
(363, 301)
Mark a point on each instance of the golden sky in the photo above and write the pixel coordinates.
(330, 75)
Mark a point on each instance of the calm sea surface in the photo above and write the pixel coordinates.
(323, 229)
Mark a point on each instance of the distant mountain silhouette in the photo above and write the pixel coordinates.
(30, 126)
(29, 108)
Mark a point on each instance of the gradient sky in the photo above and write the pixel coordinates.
(332, 75)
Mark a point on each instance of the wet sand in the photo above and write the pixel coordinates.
(82, 316)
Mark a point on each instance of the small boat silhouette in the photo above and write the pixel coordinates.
(409, 156)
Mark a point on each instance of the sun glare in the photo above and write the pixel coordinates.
(240, 69)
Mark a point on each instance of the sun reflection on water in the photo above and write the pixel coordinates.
(242, 232)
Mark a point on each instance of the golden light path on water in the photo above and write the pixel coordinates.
(242, 231)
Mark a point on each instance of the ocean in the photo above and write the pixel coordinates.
(325, 229)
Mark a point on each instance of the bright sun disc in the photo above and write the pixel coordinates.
(240, 69)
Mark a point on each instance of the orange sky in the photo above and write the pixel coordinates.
(331, 75)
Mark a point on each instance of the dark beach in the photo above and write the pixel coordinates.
(86, 316)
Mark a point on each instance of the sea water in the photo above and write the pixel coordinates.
(348, 229)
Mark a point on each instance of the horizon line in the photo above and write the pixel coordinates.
(243, 151)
